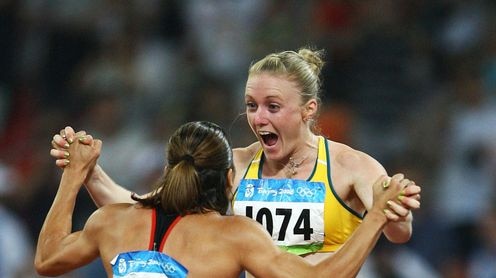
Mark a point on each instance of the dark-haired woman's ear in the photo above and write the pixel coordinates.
(230, 182)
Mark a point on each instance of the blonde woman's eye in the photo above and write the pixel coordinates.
(250, 105)
(273, 107)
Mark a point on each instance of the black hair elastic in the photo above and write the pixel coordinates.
(188, 158)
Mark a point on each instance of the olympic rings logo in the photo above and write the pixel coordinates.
(168, 267)
(306, 192)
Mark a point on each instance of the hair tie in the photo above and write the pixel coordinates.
(188, 158)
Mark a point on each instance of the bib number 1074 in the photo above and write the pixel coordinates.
(282, 220)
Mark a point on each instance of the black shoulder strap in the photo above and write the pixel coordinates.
(163, 223)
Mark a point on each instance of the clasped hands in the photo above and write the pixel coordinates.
(397, 196)
(76, 151)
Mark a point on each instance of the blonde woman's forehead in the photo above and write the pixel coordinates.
(271, 84)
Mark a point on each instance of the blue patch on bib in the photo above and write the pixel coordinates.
(147, 264)
(280, 190)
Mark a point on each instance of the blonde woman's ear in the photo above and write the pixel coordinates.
(310, 110)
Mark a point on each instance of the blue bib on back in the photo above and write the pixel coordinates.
(146, 264)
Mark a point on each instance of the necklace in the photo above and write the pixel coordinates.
(292, 166)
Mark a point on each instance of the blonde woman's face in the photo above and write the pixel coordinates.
(274, 113)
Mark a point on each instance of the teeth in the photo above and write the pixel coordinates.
(264, 133)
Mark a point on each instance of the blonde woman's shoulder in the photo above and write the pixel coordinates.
(242, 156)
(348, 157)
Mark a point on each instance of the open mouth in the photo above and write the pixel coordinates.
(268, 138)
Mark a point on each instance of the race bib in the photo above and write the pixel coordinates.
(292, 211)
(146, 264)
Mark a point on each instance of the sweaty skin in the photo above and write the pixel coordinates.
(237, 242)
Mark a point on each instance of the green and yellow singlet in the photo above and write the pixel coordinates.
(303, 216)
